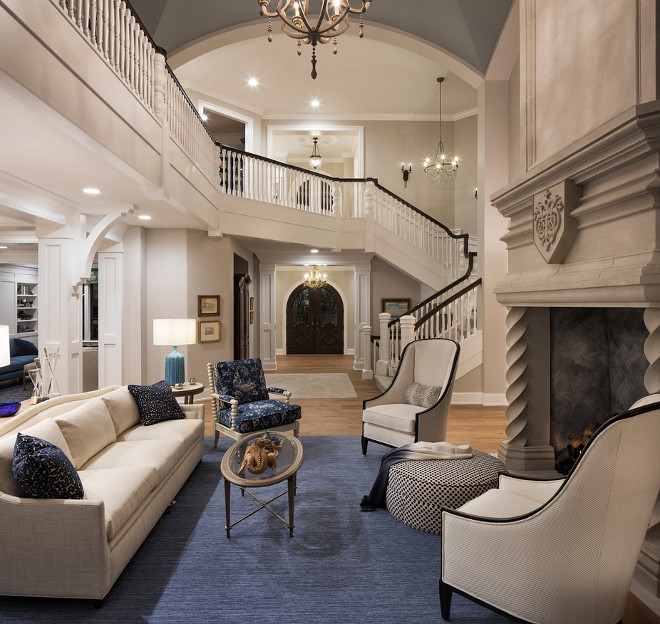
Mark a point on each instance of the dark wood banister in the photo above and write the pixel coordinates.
(243, 153)
(455, 283)
(446, 302)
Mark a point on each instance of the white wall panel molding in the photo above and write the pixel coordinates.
(110, 317)
(362, 309)
(268, 314)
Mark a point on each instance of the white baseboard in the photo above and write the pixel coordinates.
(350, 352)
(279, 352)
(495, 399)
(467, 398)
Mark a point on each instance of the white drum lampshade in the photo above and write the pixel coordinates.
(175, 332)
(4, 345)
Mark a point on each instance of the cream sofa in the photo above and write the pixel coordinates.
(130, 473)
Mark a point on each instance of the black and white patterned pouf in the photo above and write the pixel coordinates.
(418, 489)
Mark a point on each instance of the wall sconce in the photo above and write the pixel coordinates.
(476, 193)
(406, 172)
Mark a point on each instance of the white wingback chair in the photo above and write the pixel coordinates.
(388, 420)
(561, 551)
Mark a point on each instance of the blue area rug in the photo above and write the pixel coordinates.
(341, 566)
(15, 391)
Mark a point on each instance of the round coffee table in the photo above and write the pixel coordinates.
(289, 460)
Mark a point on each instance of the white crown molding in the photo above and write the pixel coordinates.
(316, 117)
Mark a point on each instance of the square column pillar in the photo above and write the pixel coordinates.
(267, 312)
(110, 317)
(60, 309)
(362, 309)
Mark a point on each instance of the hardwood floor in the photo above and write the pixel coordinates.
(481, 427)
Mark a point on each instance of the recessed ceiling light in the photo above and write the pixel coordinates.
(253, 82)
(144, 217)
(315, 103)
(3, 246)
(313, 251)
(91, 191)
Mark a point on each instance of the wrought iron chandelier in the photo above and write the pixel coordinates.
(441, 167)
(298, 23)
(315, 157)
(315, 279)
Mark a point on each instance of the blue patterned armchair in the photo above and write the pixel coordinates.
(241, 401)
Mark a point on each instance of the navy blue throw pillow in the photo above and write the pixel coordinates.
(43, 470)
(156, 403)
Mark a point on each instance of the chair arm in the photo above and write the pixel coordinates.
(194, 411)
(540, 490)
(225, 398)
(285, 393)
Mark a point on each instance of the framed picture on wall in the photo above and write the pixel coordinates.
(396, 307)
(208, 305)
(251, 303)
(209, 331)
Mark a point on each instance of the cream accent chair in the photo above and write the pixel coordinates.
(386, 419)
(561, 551)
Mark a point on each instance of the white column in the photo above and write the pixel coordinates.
(110, 317)
(60, 309)
(367, 371)
(383, 363)
(362, 309)
(407, 330)
(267, 304)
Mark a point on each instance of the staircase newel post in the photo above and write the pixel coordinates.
(383, 363)
(407, 330)
(160, 82)
(367, 371)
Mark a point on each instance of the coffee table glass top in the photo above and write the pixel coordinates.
(289, 456)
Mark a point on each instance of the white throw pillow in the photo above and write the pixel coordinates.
(122, 408)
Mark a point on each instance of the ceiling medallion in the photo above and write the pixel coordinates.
(315, 279)
(440, 167)
(313, 28)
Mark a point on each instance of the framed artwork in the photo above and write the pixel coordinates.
(251, 317)
(251, 303)
(396, 307)
(208, 305)
(209, 331)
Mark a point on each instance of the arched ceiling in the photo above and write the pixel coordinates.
(467, 29)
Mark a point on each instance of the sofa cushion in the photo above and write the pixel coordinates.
(156, 403)
(419, 394)
(122, 491)
(185, 431)
(43, 470)
(46, 430)
(18, 347)
(397, 416)
(122, 409)
(87, 429)
(163, 455)
(500, 504)
(242, 379)
(260, 415)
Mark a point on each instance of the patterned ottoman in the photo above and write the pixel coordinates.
(416, 490)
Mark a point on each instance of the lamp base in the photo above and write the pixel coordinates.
(174, 368)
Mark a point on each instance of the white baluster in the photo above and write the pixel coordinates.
(367, 371)
(79, 8)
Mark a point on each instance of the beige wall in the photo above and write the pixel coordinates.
(390, 283)
(341, 279)
(465, 183)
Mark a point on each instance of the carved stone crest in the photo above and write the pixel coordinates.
(554, 228)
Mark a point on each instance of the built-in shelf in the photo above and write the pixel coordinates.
(26, 305)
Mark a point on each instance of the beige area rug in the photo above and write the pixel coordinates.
(313, 386)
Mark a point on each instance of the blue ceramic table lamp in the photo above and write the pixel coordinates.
(175, 332)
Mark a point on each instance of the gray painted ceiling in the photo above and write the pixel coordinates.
(468, 29)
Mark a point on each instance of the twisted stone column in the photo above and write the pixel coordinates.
(652, 350)
(516, 360)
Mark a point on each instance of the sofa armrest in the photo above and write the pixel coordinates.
(53, 547)
(196, 411)
(285, 393)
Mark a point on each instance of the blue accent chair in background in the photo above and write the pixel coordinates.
(21, 352)
(241, 401)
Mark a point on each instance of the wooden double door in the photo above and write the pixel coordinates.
(315, 321)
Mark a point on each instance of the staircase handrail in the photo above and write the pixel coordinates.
(442, 291)
(446, 302)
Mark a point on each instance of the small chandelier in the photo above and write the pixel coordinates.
(315, 158)
(315, 279)
(440, 167)
(299, 23)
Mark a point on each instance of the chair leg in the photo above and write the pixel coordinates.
(445, 600)
(215, 438)
(364, 445)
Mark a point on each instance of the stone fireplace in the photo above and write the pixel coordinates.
(582, 292)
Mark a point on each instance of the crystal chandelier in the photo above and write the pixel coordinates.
(315, 279)
(313, 28)
(441, 167)
(315, 158)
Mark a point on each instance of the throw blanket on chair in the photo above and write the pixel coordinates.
(416, 451)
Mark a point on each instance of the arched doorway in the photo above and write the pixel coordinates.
(315, 321)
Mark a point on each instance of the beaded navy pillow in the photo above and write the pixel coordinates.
(156, 403)
(419, 394)
(43, 470)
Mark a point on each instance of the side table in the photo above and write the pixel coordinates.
(188, 391)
